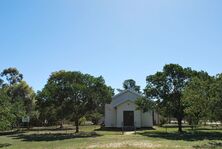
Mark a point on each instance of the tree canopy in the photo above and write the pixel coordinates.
(215, 104)
(73, 94)
(167, 87)
(17, 94)
(196, 99)
(144, 104)
(6, 116)
(131, 84)
(12, 75)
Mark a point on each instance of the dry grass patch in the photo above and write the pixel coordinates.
(126, 144)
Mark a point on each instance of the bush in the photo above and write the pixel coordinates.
(82, 121)
(95, 117)
(163, 121)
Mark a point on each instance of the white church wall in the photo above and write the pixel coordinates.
(147, 119)
(128, 106)
(110, 116)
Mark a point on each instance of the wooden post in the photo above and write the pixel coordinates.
(122, 129)
(135, 127)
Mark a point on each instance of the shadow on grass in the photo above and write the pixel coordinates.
(145, 128)
(108, 129)
(4, 145)
(54, 136)
(50, 129)
(186, 136)
(209, 129)
(5, 133)
(113, 129)
(209, 145)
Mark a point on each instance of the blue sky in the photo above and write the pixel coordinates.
(118, 39)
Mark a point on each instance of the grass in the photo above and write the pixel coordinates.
(94, 137)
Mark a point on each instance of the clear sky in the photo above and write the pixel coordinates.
(118, 39)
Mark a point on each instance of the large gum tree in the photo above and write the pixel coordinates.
(167, 87)
(74, 94)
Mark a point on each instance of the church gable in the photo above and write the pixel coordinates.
(124, 96)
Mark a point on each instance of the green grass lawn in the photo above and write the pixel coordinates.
(94, 137)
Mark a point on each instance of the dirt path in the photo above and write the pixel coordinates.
(129, 132)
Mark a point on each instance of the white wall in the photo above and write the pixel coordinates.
(110, 116)
(128, 106)
(147, 119)
(157, 118)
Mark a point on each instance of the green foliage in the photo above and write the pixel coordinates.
(167, 87)
(144, 104)
(46, 107)
(72, 95)
(25, 94)
(18, 110)
(22, 100)
(131, 84)
(6, 116)
(216, 102)
(94, 117)
(163, 121)
(12, 75)
(82, 120)
(20, 96)
(196, 99)
(1, 83)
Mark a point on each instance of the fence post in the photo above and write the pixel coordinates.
(122, 129)
(135, 127)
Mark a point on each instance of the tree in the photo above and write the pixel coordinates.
(196, 99)
(22, 91)
(1, 82)
(216, 99)
(131, 84)
(22, 97)
(6, 116)
(167, 87)
(46, 108)
(74, 94)
(94, 117)
(12, 75)
(23, 101)
(102, 94)
(144, 104)
(51, 100)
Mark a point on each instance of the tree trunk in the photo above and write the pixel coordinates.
(179, 120)
(77, 125)
(61, 124)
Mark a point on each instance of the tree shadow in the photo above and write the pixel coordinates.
(5, 133)
(54, 136)
(145, 128)
(114, 129)
(108, 129)
(209, 145)
(209, 129)
(5, 145)
(186, 136)
(50, 129)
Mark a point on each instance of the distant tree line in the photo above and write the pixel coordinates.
(177, 92)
